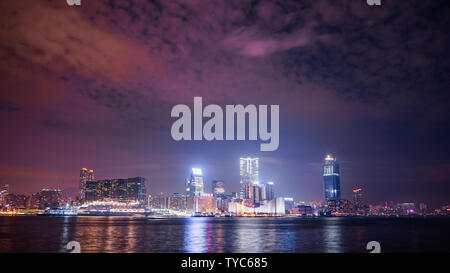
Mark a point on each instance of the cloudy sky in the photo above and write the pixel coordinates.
(93, 86)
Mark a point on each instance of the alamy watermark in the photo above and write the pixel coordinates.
(374, 247)
(73, 2)
(74, 246)
(373, 2)
(213, 129)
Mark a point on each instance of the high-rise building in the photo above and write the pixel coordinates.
(256, 193)
(4, 191)
(267, 191)
(50, 197)
(332, 186)
(357, 197)
(85, 176)
(194, 185)
(136, 189)
(249, 172)
(218, 188)
(45, 198)
(121, 190)
(288, 204)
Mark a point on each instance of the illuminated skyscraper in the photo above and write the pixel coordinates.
(85, 176)
(50, 198)
(267, 191)
(194, 185)
(357, 197)
(331, 179)
(218, 188)
(120, 190)
(249, 172)
(256, 193)
(288, 204)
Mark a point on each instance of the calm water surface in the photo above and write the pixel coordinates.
(126, 234)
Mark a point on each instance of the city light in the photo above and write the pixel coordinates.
(197, 171)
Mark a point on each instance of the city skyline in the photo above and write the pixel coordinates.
(249, 171)
(208, 183)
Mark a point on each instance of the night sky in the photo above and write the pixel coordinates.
(93, 86)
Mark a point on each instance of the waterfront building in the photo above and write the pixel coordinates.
(156, 201)
(275, 206)
(222, 203)
(340, 207)
(205, 203)
(121, 190)
(18, 201)
(194, 185)
(177, 201)
(406, 208)
(45, 198)
(288, 204)
(51, 197)
(331, 177)
(85, 176)
(303, 210)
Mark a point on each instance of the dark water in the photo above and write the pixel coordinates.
(123, 234)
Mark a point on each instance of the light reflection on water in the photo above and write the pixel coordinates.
(333, 235)
(204, 234)
(196, 235)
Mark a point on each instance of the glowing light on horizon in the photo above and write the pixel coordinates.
(197, 171)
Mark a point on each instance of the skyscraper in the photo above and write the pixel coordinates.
(121, 190)
(85, 175)
(267, 191)
(249, 172)
(194, 185)
(332, 186)
(256, 193)
(357, 197)
(50, 198)
(218, 188)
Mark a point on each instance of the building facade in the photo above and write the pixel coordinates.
(194, 185)
(121, 190)
(331, 178)
(45, 198)
(218, 188)
(177, 201)
(249, 175)
(85, 176)
(4, 191)
(357, 198)
(267, 191)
